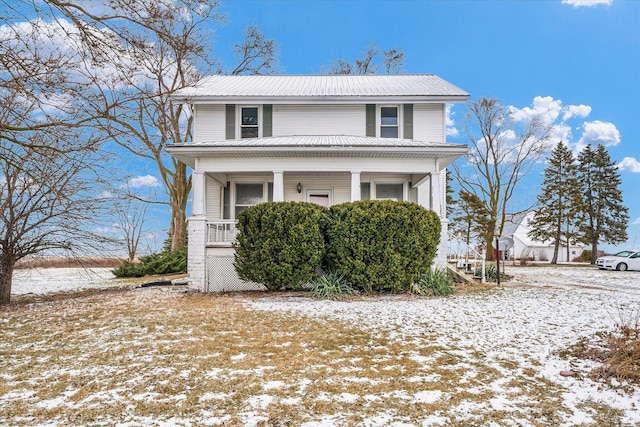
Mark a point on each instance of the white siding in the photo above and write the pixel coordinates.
(319, 120)
(209, 123)
(212, 200)
(428, 122)
(338, 183)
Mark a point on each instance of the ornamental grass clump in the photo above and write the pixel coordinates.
(381, 245)
(436, 282)
(280, 244)
(333, 286)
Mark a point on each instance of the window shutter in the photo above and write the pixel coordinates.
(267, 120)
(371, 120)
(408, 121)
(230, 122)
(226, 201)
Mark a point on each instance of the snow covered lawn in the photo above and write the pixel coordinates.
(158, 356)
(49, 280)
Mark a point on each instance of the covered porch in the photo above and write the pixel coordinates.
(231, 176)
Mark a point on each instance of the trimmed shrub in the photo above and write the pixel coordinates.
(165, 262)
(280, 244)
(331, 286)
(436, 282)
(381, 245)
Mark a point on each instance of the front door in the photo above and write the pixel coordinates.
(320, 197)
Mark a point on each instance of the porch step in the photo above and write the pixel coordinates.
(460, 276)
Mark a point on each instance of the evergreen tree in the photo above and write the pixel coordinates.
(471, 217)
(554, 219)
(602, 215)
(451, 201)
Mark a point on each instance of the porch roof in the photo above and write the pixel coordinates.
(321, 88)
(326, 146)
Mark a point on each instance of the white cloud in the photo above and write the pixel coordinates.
(629, 164)
(146, 181)
(598, 132)
(587, 3)
(636, 222)
(544, 108)
(105, 195)
(576, 111)
(451, 130)
(560, 132)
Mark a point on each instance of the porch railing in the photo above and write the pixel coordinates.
(221, 232)
(467, 257)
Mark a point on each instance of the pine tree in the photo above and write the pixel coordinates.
(602, 215)
(471, 216)
(554, 219)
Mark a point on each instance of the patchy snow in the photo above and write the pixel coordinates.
(49, 280)
(520, 327)
(542, 311)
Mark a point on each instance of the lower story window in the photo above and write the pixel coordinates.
(390, 191)
(379, 191)
(251, 194)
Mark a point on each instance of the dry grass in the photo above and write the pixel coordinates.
(617, 354)
(147, 356)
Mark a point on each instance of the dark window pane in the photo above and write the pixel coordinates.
(240, 209)
(389, 116)
(390, 132)
(248, 194)
(389, 191)
(250, 116)
(226, 200)
(365, 191)
(249, 132)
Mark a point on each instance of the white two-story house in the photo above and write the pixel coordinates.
(324, 139)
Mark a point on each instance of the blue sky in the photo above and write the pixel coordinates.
(574, 62)
(577, 61)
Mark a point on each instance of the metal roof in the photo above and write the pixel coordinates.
(324, 141)
(414, 86)
(317, 146)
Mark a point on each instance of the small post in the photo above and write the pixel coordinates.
(484, 260)
(498, 260)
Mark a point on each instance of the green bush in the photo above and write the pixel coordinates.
(166, 262)
(128, 269)
(381, 245)
(331, 285)
(491, 273)
(280, 244)
(436, 282)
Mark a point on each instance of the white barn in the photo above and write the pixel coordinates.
(527, 248)
(324, 139)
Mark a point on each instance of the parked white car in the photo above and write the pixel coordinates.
(622, 261)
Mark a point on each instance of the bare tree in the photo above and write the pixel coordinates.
(255, 54)
(392, 62)
(43, 88)
(165, 46)
(47, 205)
(132, 216)
(501, 155)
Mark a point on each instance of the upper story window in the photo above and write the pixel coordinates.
(389, 122)
(249, 122)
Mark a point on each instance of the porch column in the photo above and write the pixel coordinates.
(355, 186)
(278, 186)
(198, 185)
(436, 199)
